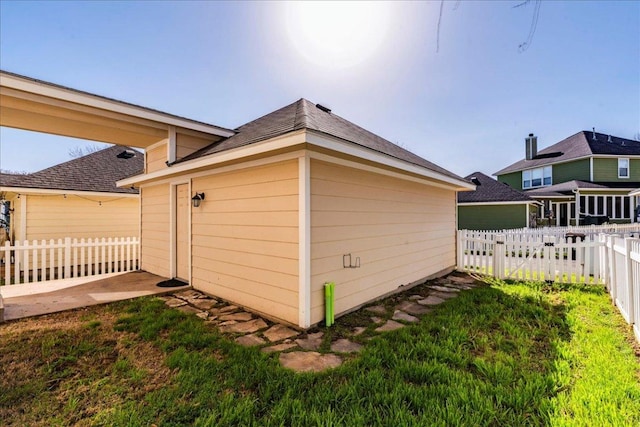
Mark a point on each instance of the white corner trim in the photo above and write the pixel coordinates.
(591, 169)
(23, 217)
(304, 241)
(171, 146)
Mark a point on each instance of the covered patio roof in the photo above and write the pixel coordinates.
(40, 106)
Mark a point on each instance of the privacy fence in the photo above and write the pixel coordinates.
(600, 255)
(39, 261)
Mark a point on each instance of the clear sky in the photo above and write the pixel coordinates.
(466, 105)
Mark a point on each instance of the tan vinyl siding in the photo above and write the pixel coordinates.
(155, 230)
(155, 158)
(402, 231)
(245, 238)
(187, 144)
(55, 217)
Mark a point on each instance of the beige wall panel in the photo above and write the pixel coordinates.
(402, 231)
(271, 234)
(155, 158)
(155, 228)
(55, 217)
(245, 238)
(187, 144)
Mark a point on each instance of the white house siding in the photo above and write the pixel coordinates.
(155, 229)
(245, 238)
(402, 231)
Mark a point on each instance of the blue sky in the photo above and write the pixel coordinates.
(466, 106)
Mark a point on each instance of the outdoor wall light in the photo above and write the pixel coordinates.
(197, 199)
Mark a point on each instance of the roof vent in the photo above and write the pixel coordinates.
(323, 108)
(609, 140)
(475, 180)
(594, 134)
(126, 154)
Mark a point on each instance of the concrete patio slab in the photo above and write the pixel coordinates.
(116, 288)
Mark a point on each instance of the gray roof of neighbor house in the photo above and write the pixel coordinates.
(582, 144)
(97, 171)
(490, 190)
(303, 114)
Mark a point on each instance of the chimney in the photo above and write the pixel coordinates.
(531, 147)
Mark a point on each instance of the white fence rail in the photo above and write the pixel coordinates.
(39, 261)
(566, 255)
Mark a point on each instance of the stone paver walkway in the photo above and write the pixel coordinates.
(320, 348)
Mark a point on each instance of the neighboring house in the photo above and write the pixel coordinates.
(583, 179)
(494, 206)
(78, 198)
(291, 201)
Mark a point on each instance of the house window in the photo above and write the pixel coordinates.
(539, 177)
(623, 168)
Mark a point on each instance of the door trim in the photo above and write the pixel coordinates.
(173, 226)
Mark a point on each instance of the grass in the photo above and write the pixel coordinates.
(512, 354)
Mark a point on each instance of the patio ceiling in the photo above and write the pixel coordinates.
(39, 106)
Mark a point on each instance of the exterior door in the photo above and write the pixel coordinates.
(182, 232)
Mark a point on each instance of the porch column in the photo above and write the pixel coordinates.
(577, 218)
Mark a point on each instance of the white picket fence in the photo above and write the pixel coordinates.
(32, 262)
(567, 255)
(623, 277)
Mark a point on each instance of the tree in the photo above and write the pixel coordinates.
(79, 151)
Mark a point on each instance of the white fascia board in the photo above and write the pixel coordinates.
(46, 191)
(292, 139)
(606, 190)
(349, 148)
(214, 159)
(635, 192)
(26, 84)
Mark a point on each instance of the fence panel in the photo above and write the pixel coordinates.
(67, 258)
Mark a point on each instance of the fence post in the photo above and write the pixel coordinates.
(67, 257)
(628, 267)
(611, 240)
(549, 258)
(498, 256)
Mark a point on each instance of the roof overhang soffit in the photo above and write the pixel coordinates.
(38, 106)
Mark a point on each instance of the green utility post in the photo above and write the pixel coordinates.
(329, 297)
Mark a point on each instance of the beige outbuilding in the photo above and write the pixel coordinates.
(291, 201)
(77, 199)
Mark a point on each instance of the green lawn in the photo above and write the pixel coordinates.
(508, 354)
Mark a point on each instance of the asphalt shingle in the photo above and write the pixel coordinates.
(303, 114)
(490, 190)
(97, 171)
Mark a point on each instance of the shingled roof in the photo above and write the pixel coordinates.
(490, 190)
(582, 144)
(97, 171)
(303, 114)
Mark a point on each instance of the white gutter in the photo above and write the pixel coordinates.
(35, 191)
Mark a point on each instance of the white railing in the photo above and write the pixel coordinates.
(566, 256)
(40, 261)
